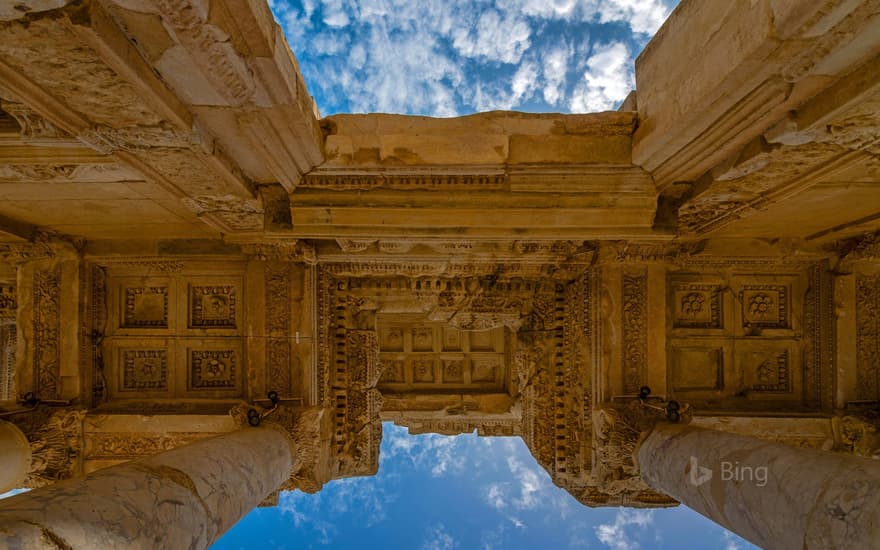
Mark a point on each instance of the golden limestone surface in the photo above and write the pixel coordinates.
(181, 234)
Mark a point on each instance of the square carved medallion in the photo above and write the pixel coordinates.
(212, 306)
(393, 371)
(767, 371)
(485, 369)
(453, 371)
(423, 370)
(146, 307)
(697, 306)
(212, 369)
(765, 306)
(144, 370)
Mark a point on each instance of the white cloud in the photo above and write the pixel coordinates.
(615, 535)
(729, 542)
(438, 538)
(490, 539)
(438, 454)
(495, 496)
(495, 38)
(555, 67)
(608, 79)
(643, 16)
(529, 484)
(335, 14)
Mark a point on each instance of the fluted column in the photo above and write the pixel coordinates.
(773, 495)
(15, 456)
(184, 498)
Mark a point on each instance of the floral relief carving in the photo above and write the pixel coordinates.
(868, 337)
(635, 331)
(47, 333)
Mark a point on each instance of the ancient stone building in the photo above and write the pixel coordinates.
(181, 233)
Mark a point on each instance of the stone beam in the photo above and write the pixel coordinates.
(489, 175)
(202, 100)
(752, 65)
(775, 119)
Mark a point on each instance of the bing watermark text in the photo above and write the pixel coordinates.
(727, 471)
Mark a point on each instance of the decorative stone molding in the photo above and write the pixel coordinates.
(860, 435)
(354, 245)
(8, 342)
(278, 322)
(33, 125)
(157, 264)
(868, 338)
(210, 46)
(8, 303)
(47, 333)
(308, 432)
(131, 445)
(55, 436)
(405, 182)
(618, 432)
(864, 248)
(635, 330)
(289, 251)
(107, 140)
(623, 252)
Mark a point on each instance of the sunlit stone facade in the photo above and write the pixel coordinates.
(181, 234)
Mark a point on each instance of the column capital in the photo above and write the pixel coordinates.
(307, 432)
(619, 431)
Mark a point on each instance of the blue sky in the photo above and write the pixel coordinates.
(466, 492)
(454, 57)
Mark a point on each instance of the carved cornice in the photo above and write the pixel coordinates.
(159, 264)
(210, 47)
(864, 248)
(406, 182)
(292, 250)
(106, 140)
(32, 124)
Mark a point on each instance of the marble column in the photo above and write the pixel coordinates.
(773, 495)
(15, 457)
(183, 498)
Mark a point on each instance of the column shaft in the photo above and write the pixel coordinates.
(184, 498)
(15, 457)
(773, 495)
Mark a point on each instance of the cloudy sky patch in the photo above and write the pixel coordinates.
(449, 58)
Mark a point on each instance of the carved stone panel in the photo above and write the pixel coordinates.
(145, 307)
(7, 361)
(8, 302)
(278, 312)
(433, 355)
(770, 370)
(212, 306)
(176, 333)
(635, 330)
(697, 305)
(868, 337)
(769, 305)
(765, 306)
(47, 333)
(213, 369)
(144, 370)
